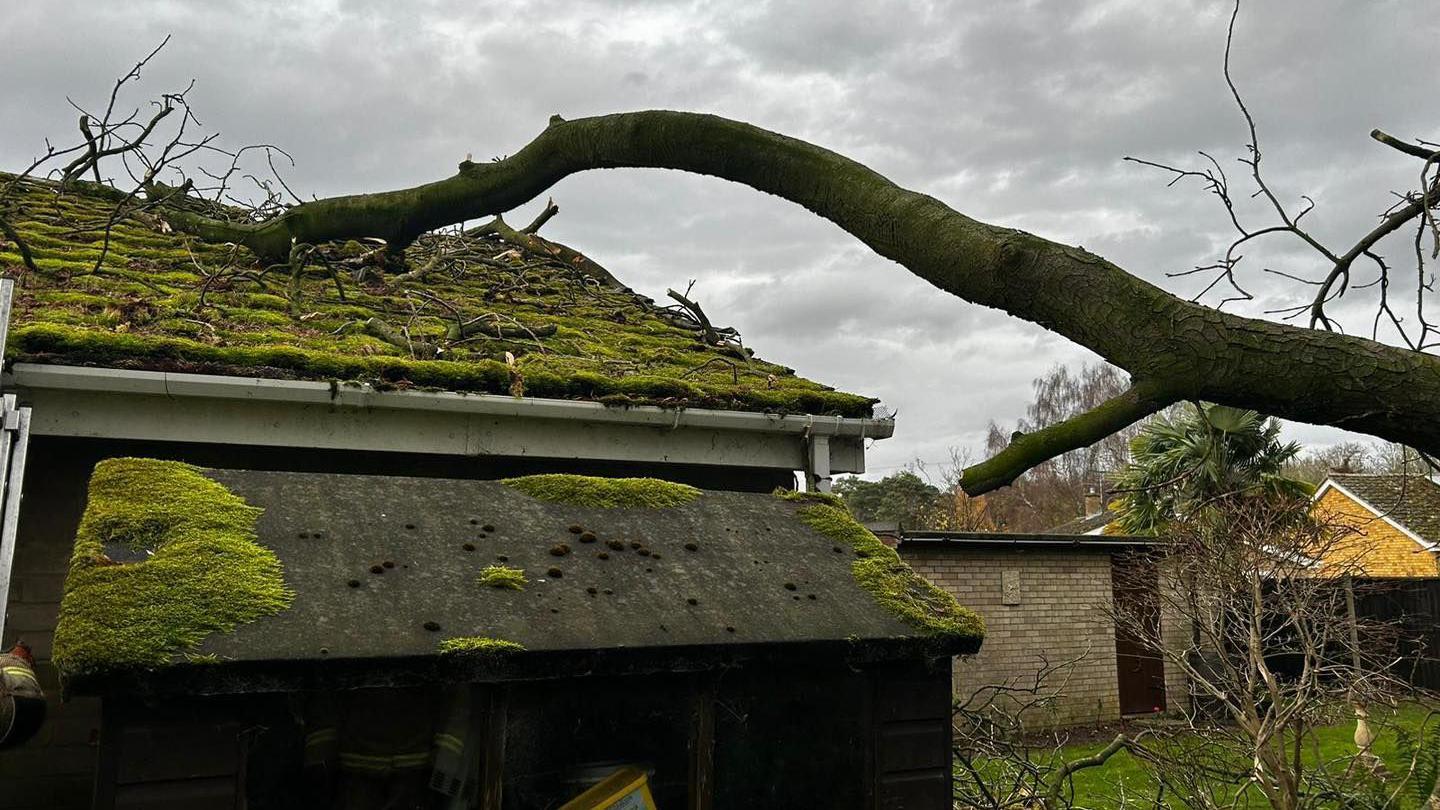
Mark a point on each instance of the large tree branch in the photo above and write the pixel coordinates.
(1026, 450)
(1183, 348)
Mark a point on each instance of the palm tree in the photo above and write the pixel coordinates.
(1196, 459)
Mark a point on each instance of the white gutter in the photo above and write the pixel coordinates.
(111, 403)
(255, 389)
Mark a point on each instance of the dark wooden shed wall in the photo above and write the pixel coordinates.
(815, 734)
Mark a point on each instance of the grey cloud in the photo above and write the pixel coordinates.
(1017, 113)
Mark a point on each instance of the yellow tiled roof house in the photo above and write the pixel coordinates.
(1393, 523)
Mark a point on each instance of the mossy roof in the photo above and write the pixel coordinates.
(385, 571)
(168, 302)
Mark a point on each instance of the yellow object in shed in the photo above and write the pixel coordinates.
(625, 789)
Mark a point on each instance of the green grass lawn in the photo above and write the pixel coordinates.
(1126, 782)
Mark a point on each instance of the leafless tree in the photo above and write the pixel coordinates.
(1054, 491)
(1252, 599)
(1009, 754)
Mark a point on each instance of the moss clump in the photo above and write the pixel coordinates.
(478, 645)
(503, 576)
(605, 493)
(206, 573)
(797, 496)
(881, 572)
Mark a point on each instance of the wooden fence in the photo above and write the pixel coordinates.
(1412, 606)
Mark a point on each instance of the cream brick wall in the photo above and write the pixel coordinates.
(1061, 615)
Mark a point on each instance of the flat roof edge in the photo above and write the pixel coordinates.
(1035, 540)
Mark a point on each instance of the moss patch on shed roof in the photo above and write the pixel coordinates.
(201, 570)
(503, 576)
(604, 493)
(167, 301)
(479, 646)
(881, 572)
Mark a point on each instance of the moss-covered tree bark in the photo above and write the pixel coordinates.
(1173, 349)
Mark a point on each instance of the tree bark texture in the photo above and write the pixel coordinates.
(1172, 348)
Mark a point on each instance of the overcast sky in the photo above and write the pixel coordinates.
(1018, 113)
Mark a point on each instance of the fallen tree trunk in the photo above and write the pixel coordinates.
(1173, 349)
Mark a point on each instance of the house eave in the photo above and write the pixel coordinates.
(167, 406)
(1384, 515)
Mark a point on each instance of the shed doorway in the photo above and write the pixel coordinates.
(1140, 669)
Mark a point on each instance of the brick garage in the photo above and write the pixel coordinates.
(1047, 598)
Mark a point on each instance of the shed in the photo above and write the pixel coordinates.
(483, 360)
(1048, 601)
(748, 650)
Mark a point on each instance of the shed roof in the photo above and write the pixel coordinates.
(938, 540)
(143, 297)
(381, 572)
(1412, 501)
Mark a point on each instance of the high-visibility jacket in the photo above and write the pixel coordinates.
(375, 746)
(22, 701)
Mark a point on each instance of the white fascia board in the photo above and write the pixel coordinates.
(199, 407)
(1380, 513)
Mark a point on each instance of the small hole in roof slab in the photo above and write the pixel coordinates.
(468, 546)
(354, 583)
(692, 546)
(388, 563)
(555, 573)
(789, 586)
(729, 629)
(604, 555)
(811, 596)
(643, 552)
(554, 610)
(608, 592)
(474, 522)
(482, 534)
(433, 627)
(324, 650)
(692, 601)
(592, 590)
(317, 535)
(576, 529)
(502, 557)
(636, 544)
(654, 555)
(410, 526)
(377, 569)
(487, 528)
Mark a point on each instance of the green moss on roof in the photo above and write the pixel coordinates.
(503, 576)
(798, 496)
(204, 571)
(477, 645)
(143, 309)
(605, 493)
(881, 572)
